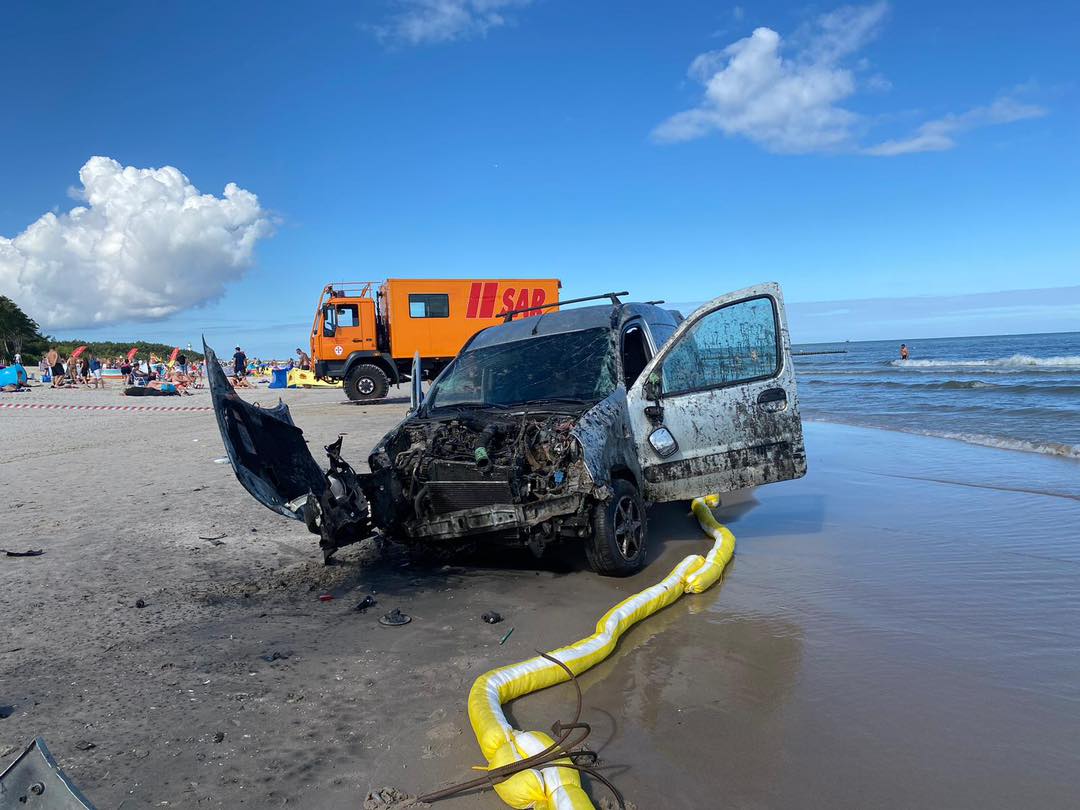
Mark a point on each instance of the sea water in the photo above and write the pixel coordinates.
(1020, 392)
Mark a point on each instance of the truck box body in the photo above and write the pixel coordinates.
(437, 316)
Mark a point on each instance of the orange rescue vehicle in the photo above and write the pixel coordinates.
(366, 333)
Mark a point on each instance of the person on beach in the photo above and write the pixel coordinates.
(181, 363)
(305, 361)
(56, 368)
(903, 351)
(239, 360)
(95, 372)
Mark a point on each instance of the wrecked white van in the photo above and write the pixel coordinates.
(552, 428)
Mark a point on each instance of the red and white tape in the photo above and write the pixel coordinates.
(51, 406)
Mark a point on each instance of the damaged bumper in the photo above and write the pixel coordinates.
(498, 517)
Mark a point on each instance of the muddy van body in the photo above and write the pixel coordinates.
(553, 428)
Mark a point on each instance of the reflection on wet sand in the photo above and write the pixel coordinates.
(881, 640)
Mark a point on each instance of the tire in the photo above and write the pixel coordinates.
(618, 546)
(366, 381)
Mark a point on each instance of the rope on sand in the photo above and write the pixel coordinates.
(56, 406)
(557, 785)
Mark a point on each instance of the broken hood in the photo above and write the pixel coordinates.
(268, 452)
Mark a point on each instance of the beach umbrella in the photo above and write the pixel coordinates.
(77, 352)
(172, 356)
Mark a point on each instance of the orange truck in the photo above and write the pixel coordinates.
(366, 332)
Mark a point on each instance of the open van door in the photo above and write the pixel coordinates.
(716, 410)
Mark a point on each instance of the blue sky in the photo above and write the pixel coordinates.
(677, 150)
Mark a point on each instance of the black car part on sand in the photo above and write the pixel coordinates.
(35, 781)
(271, 459)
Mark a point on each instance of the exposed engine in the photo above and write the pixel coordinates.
(475, 462)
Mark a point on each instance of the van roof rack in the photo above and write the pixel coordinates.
(614, 296)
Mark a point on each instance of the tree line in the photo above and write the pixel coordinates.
(20, 334)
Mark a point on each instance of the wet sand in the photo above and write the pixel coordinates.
(899, 629)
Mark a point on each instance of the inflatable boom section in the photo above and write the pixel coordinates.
(559, 788)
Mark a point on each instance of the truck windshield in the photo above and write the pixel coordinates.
(572, 366)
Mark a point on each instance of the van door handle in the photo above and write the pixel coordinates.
(772, 399)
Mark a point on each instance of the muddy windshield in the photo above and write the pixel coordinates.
(572, 366)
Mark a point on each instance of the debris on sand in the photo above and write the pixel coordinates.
(493, 617)
(6, 712)
(275, 656)
(390, 798)
(85, 745)
(365, 603)
(140, 603)
(219, 736)
(28, 553)
(395, 618)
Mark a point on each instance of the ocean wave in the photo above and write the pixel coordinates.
(1024, 361)
(1049, 388)
(1046, 448)
(1006, 443)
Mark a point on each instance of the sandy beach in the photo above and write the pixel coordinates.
(901, 628)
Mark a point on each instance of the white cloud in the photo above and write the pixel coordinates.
(421, 22)
(786, 103)
(938, 135)
(145, 245)
(788, 96)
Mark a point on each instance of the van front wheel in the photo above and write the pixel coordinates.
(617, 546)
(366, 381)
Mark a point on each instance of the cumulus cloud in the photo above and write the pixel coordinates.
(790, 96)
(785, 103)
(421, 22)
(938, 135)
(145, 245)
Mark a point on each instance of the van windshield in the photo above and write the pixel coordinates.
(571, 366)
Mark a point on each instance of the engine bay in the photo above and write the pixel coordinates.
(474, 461)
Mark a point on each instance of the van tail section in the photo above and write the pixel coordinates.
(366, 333)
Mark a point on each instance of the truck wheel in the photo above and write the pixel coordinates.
(366, 381)
(617, 547)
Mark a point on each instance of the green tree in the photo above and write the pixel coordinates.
(19, 333)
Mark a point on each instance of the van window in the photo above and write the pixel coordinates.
(739, 342)
(635, 353)
(429, 305)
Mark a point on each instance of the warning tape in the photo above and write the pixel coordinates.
(50, 406)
